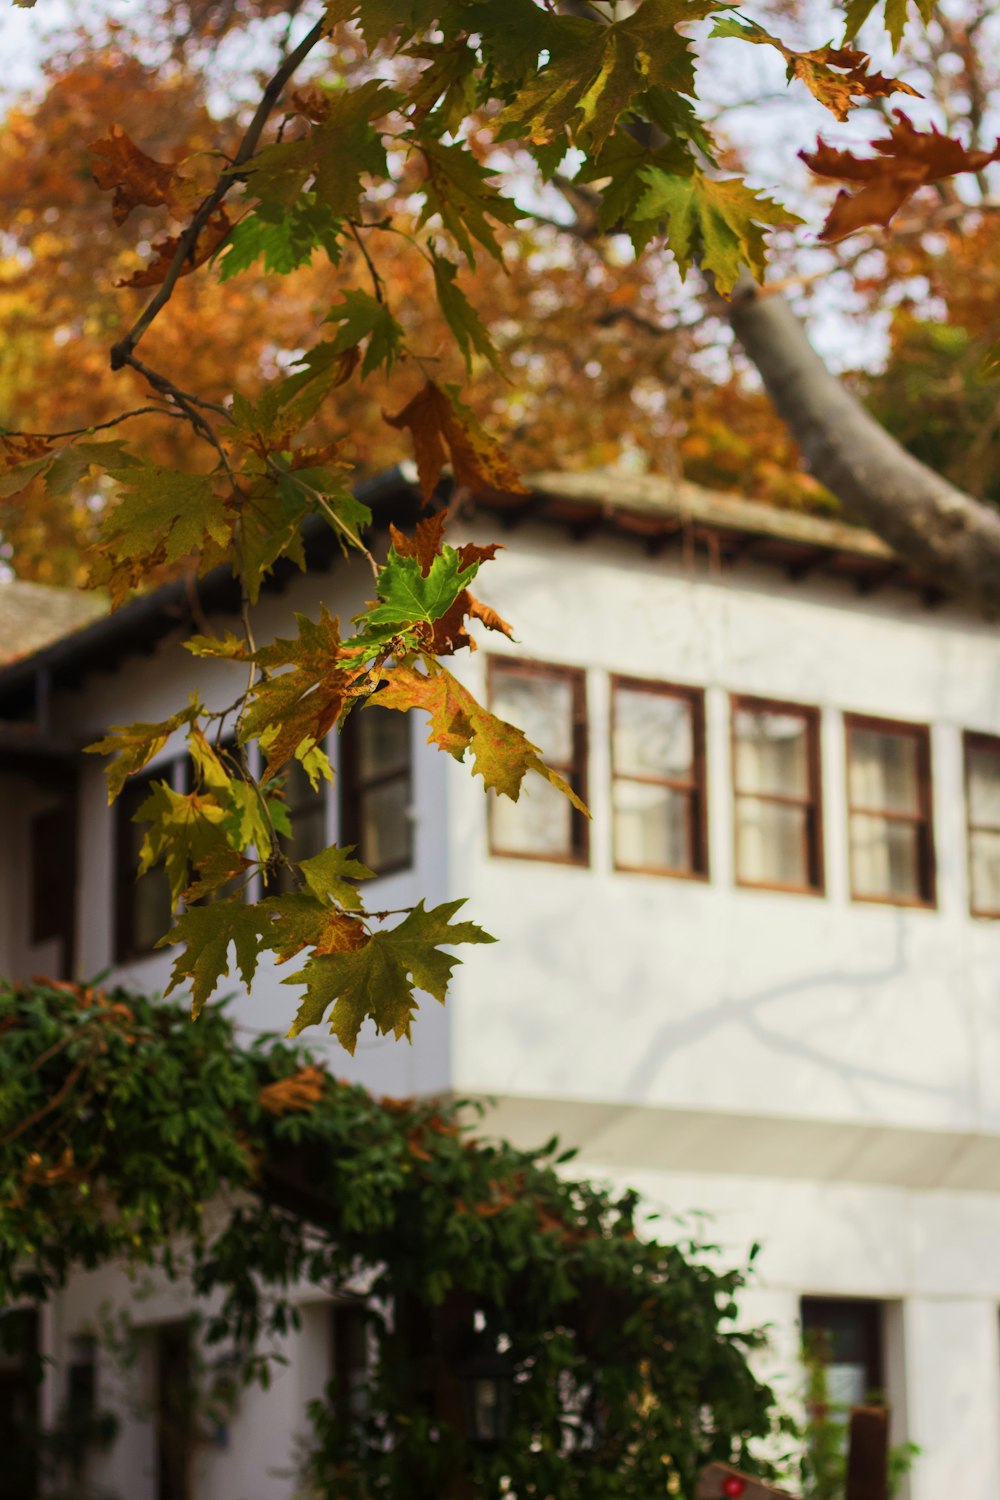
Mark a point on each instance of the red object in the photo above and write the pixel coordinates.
(733, 1486)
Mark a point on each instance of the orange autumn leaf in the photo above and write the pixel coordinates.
(908, 159)
(442, 427)
(425, 543)
(208, 242)
(299, 1092)
(135, 178)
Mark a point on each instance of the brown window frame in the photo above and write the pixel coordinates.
(353, 788)
(976, 739)
(927, 863)
(813, 803)
(575, 771)
(695, 787)
(870, 1314)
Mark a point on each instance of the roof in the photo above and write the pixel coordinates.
(651, 509)
(33, 615)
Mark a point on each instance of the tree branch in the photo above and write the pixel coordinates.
(942, 533)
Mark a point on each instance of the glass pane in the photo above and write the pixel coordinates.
(308, 837)
(883, 770)
(884, 858)
(984, 861)
(385, 830)
(772, 843)
(146, 905)
(151, 910)
(542, 706)
(847, 1386)
(383, 742)
(772, 753)
(298, 791)
(654, 735)
(652, 827)
(983, 780)
(539, 822)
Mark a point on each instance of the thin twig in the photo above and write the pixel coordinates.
(140, 411)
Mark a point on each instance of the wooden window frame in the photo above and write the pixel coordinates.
(812, 803)
(975, 739)
(575, 771)
(924, 823)
(353, 788)
(695, 787)
(871, 1317)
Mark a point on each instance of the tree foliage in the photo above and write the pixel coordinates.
(382, 136)
(120, 1122)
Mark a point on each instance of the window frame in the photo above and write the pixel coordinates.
(976, 739)
(696, 789)
(575, 772)
(926, 851)
(125, 879)
(871, 1313)
(353, 788)
(813, 803)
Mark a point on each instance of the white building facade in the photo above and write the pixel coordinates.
(762, 984)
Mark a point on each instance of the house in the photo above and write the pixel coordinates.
(762, 983)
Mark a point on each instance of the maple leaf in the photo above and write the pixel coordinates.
(470, 332)
(207, 932)
(185, 831)
(442, 426)
(363, 317)
(299, 920)
(291, 712)
(410, 596)
(300, 1091)
(461, 191)
(331, 876)
(134, 745)
(908, 159)
(837, 76)
(717, 222)
(162, 515)
(502, 754)
(164, 250)
(136, 179)
(896, 12)
(378, 980)
(283, 240)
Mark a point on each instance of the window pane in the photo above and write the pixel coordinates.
(539, 822)
(652, 827)
(542, 706)
(772, 843)
(383, 742)
(984, 860)
(144, 905)
(983, 780)
(772, 753)
(883, 770)
(654, 735)
(384, 826)
(884, 857)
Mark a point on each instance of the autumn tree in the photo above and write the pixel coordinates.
(418, 137)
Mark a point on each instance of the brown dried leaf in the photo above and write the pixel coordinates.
(908, 159)
(299, 1092)
(442, 427)
(135, 178)
(208, 242)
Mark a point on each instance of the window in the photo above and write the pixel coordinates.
(376, 788)
(982, 804)
(142, 906)
(53, 879)
(20, 1375)
(307, 815)
(846, 1337)
(174, 1411)
(658, 778)
(776, 789)
(349, 1330)
(889, 810)
(549, 704)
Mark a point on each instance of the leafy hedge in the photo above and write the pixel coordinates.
(120, 1120)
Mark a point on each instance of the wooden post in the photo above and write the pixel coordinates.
(868, 1454)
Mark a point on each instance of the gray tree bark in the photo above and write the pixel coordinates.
(943, 534)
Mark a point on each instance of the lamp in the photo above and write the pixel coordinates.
(487, 1381)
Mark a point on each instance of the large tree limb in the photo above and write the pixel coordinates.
(947, 536)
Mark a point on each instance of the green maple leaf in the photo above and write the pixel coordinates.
(207, 932)
(378, 980)
(165, 508)
(331, 875)
(896, 16)
(290, 712)
(134, 745)
(331, 159)
(184, 831)
(620, 166)
(462, 193)
(363, 317)
(501, 753)
(284, 240)
(716, 222)
(409, 597)
(470, 332)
